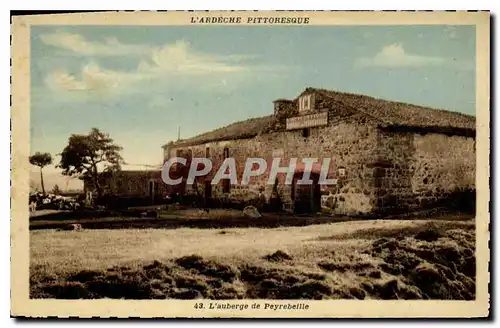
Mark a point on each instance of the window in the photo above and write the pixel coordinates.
(207, 152)
(305, 103)
(226, 152)
(305, 132)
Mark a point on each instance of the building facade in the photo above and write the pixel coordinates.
(387, 157)
(130, 187)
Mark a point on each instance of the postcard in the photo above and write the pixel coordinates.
(233, 164)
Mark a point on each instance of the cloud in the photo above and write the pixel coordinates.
(450, 32)
(179, 57)
(111, 46)
(93, 78)
(79, 45)
(394, 55)
(168, 62)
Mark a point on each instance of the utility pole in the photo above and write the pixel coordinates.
(179, 133)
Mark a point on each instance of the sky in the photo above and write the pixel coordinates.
(141, 83)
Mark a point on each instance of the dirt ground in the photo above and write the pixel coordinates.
(369, 259)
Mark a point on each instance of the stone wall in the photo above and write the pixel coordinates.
(380, 168)
(443, 167)
(392, 167)
(350, 145)
(129, 183)
(418, 171)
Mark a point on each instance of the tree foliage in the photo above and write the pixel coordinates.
(86, 155)
(41, 160)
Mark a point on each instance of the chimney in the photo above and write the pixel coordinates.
(284, 108)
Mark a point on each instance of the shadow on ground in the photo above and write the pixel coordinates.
(113, 220)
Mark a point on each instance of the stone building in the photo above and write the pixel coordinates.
(387, 157)
(131, 187)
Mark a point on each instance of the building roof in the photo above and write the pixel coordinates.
(398, 113)
(239, 130)
(388, 113)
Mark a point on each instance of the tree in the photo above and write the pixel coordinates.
(56, 190)
(41, 160)
(86, 154)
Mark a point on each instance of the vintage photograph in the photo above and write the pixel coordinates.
(254, 156)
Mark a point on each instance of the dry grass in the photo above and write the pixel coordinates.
(412, 259)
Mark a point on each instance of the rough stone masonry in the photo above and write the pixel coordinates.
(387, 157)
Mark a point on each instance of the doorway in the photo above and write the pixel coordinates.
(152, 191)
(208, 190)
(306, 197)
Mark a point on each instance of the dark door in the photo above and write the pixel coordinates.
(306, 197)
(152, 191)
(208, 190)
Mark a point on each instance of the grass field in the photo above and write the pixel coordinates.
(382, 259)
